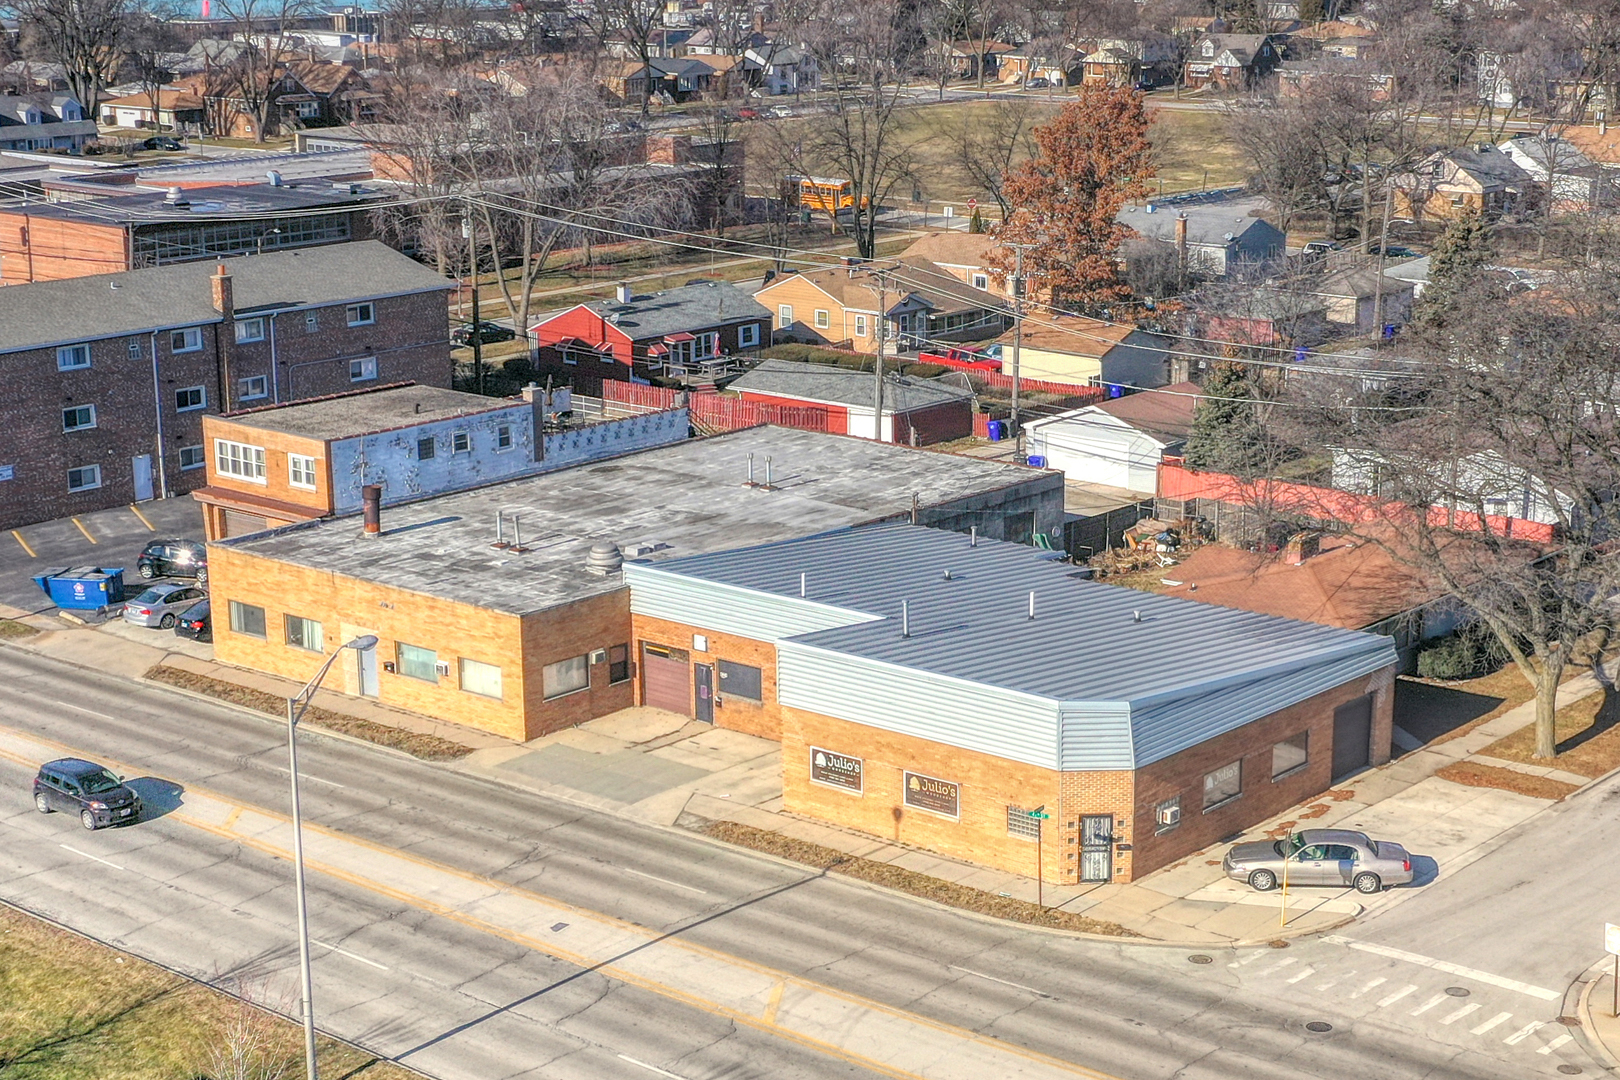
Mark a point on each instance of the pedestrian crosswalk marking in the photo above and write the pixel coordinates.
(1396, 996)
(1427, 1005)
(1305, 974)
(1370, 986)
(1523, 1033)
(1498, 1019)
(1280, 966)
(1556, 1043)
(1452, 1018)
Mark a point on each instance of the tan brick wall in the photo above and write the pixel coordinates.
(559, 633)
(737, 714)
(277, 445)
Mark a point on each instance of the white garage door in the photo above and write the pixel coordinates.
(1096, 453)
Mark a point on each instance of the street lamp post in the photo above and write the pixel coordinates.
(295, 712)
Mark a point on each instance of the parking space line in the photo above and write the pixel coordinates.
(84, 530)
(149, 526)
(1471, 1007)
(665, 881)
(1556, 1043)
(1496, 1021)
(87, 855)
(1438, 999)
(19, 538)
(1370, 986)
(1003, 982)
(1524, 1033)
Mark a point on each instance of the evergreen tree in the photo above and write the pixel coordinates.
(976, 222)
(1461, 256)
(1227, 435)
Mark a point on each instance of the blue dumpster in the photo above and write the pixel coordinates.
(83, 588)
(997, 430)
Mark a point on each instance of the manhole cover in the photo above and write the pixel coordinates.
(1279, 943)
(1319, 1026)
(1570, 1070)
(1200, 958)
(1570, 1021)
(1457, 991)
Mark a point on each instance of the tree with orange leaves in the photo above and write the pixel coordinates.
(1093, 158)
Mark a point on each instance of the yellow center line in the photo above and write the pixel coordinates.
(86, 531)
(19, 538)
(149, 526)
(230, 819)
(774, 1003)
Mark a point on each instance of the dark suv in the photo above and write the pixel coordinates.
(76, 786)
(174, 558)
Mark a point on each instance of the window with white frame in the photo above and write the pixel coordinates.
(363, 370)
(187, 340)
(78, 417)
(784, 315)
(191, 457)
(239, 460)
(823, 319)
(361, 314)
(72, 357)
(249, 330)
(84, 478)
(747, 335)
(301, 471)
(503, 437)
(705, 344)
(252, 388)
(860, 326)
(566, 676)
(480, 678)
(460, 442)
(188, 398)
(981, 281)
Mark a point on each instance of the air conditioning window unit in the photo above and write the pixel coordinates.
(599, 656)
(1169, 815)
(442, 667)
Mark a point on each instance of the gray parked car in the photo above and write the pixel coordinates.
(1337, 857)
(161, 604)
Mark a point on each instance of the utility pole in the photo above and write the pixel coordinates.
(882, 326)
(1383, 254)
(471, 233)
(1018, 341)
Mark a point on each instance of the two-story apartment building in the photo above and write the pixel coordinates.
(108, 376)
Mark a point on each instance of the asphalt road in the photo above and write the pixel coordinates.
(456, 1002)
(104, 538)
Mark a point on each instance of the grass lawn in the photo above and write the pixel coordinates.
(71, 1009)
(11, 628)
(1194, 151)
(1588, 738)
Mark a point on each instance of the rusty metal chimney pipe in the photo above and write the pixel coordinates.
(371, 507)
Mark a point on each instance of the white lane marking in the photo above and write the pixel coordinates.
(1251, 958)
(1471, 1007)
(1370, 986)
(1556, 1043)
(1454, 969)
(1003, 982)
(1431, 1003)
(302, 775)
(1523, 1033)
(1396, 996)
(87, 855)
(1279, 967)
(666, 881)
(1303, 975)
(346, 952)
(89, 712)
(651, 1068)
(1496, 1021)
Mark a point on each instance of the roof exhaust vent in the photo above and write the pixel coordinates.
(1136, 616)
(605, 558)
(973, 536)
(500, 532)
(803, 585)
(1032, 603)
(947, 574)
(905, 618)
(622, 292)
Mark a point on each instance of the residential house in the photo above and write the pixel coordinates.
(783, 69)
(925, 304)
(114, 232)
(635, 336)
(1355, 297)
(44, 121)
(1219, 235)
(1232, 61)
(1120, 442)
(706, 42)
(1599, 142)
(1058, 65)
(174, 110)
(26, 77)
(105, 398)
(1573, 181)
(963, 255)
(1262, 316)
(1079, 351)
(916, 411)
(1449, 184)
(1147, 60)
(1412, 272)
(312, 94)
(1295, 78)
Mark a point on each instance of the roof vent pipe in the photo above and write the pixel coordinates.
(802, 584)
(517, 538)
(905, 618)
(947, 574)
(768, 472)
(750, 470)
(500, 530)
(973, 534)
(622, 293)
(1136, 616)
(605, 558)
(371, 508)
(1032, 603)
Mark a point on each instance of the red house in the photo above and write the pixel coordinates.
(632, 337)
(915, 411)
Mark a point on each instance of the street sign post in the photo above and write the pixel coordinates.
(1040, 815)
(1611, 945)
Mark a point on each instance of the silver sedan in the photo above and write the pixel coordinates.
(1337, 857)
(161, 604)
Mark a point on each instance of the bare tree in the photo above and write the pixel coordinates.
(149, 41)
(253, 75)
(253, 1043)
(81, 35)
(632, 23)
(990, 141)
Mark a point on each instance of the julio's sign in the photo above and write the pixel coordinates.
(932, 794)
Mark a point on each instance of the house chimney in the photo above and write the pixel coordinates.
(1603, 121)
(535, 395)
(1181, 238)
(622, 293)
(223, 297)
(371, 504)
(225, 334)
(1301, 546)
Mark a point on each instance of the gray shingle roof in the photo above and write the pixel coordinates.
(681, 311)
(1207, 222)
(49, 313)
(830, 384)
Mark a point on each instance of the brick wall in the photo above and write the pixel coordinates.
(761, 718)
(34, 248)
(598, 622)
(277, 445)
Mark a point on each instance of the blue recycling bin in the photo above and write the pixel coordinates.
(1037, 461)
(83, 588)
(998, 430)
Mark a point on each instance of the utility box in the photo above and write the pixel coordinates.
(83, 588)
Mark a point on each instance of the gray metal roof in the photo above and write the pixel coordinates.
(1122, 690)
(830, 384)
(46, 313)
(685, 310)
(691, 497)
(212, 203)
(1208, 223)
(343, 416)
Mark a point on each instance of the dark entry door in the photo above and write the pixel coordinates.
(1097, 847)
(1352, 735)
(665, 679)
(705, 692)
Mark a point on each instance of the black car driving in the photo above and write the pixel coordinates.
(174, 558)
(95, 793)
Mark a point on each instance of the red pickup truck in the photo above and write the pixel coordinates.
(966, 359)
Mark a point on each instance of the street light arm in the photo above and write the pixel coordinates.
(302, 699)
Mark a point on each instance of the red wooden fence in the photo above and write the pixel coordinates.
(715, 411)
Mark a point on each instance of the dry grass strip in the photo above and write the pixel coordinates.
(1489, 776)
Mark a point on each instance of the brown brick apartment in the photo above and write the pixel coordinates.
(931, 688)
(505, 607)
(109, 376)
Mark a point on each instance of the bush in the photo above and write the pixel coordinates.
(1466, 654)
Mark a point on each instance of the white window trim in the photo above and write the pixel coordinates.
(981, 281)
(747, 335)
(292, 473)
(369, 320)
(463, 437)
(860, 326)
(368, 369)
(246, 452)
(823, 319)
(195, 331)
(784, 316)
(201, 404)
(65, 351)
(511, 438)
(241, 324)
(78, 427)
(84, 468)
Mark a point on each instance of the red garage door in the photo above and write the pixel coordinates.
(666, 678)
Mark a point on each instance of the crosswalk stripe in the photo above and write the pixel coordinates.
(1280, 966)
(1556, 1043)
(1498, 1019)
(1304, 974)
(1471, 1007)
(1427, 1005)
(1251, 958)
(1330, 984)
(1375, 983)
(1523, 1033)
(1396, 996)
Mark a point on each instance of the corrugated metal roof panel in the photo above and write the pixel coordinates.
(1094, 735)
(728, 609)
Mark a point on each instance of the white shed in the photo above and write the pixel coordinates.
(1118, 443)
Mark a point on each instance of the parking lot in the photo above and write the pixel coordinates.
(106, 538)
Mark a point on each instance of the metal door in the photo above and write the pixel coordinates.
(142, 466)
(666, 680)
(1097, 847)
(1352, 735)
(366, 661)
(705, 692)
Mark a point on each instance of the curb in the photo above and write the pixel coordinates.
(1586, 1033)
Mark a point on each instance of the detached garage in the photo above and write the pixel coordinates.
(917, 412)
(1118, 443)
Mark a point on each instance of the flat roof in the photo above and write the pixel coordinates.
(145, 206)
(346, 416)
(690, 497)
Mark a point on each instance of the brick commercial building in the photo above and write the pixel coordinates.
(109, 376)
(505, 607)
(931, 689)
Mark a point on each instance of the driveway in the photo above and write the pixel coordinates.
(104, 538)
